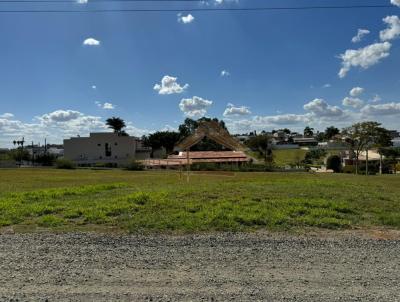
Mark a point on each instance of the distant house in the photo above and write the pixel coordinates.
(104, 148)
(305, 141)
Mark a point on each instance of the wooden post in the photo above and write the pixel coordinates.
(187, 164)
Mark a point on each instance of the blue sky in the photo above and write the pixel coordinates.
(281, 68)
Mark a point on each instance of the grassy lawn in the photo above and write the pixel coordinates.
(288, 156)
(161, 201)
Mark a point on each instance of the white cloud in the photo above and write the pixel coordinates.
(94, 87)
(363, 57)
(259, 123)
(320, 107)
(61, 116)
(231, 110)
(169, 85)
(194, 107)
(283, 119)
(7, 115)
(395, 2)
(106, 106)
(91, 42)
(327, 85)
(352, 102)
(356, 91)
(361, 33)
(393, 30)
(381, 109)
(376, 99)
(82, 1)
(56, 126)
(185, 19)
(225, 73)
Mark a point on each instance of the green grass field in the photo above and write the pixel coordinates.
(161, 201)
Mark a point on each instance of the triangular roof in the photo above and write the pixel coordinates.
(214, 131)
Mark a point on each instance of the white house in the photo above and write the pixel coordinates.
(104, 148)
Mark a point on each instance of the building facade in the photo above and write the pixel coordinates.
(104, 148)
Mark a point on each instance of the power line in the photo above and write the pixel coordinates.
(287, 8)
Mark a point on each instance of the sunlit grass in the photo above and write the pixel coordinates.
(163, 201)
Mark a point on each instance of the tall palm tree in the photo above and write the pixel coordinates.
(117, 124)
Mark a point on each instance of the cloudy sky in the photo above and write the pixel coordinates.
(63, 74)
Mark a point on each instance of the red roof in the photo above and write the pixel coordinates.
(211, 155)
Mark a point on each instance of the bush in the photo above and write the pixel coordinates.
(134, 166)
(334, 163)
(65, 164)
(398, 167)
(45, 159)
(349, 169)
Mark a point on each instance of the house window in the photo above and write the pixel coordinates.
(99, 145)
(115, 144)
(115, 156)
(107, 148)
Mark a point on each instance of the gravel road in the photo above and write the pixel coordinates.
(218, 267)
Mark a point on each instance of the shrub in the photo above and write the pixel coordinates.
(65, 164)
(134, 166)
(398, 167)
(334, 163)
(349, 169)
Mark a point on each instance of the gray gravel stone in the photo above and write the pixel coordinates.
(217, 267)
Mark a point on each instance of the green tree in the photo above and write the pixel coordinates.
(117, 124)
(166, 139)
(308, 131)
(314, 155)
(330, 132)
(364, 135)
(262, 144)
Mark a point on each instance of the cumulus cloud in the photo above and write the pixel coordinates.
(106, 105)
(195, 106)
(356, 91)
(61, 116)
(185, 19)
(232, 110)
(94, 87)
(327, 85)
(381, 109)
(395, 2)
(56, 126)
(361, 33)
(283, 119)
(268, 122)
(225, 73)
(82, 1)
(91, 42)
(169, 85)
(352, 102)
(363, 57)
(393, 30)
(319, 107)
(6, 115)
